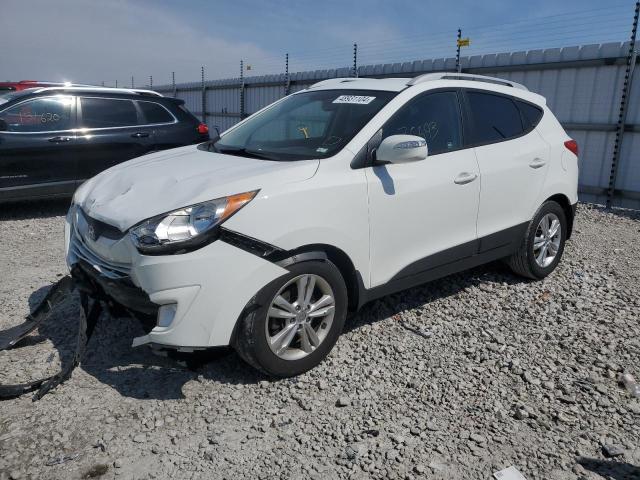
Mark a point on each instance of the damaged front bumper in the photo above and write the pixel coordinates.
(196, 297)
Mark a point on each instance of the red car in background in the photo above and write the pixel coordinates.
(24, 84)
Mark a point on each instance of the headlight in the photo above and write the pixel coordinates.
(187, 228)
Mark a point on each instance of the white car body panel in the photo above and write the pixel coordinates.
(330, 209)
(508, 173)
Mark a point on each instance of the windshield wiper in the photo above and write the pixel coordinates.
(243, 152)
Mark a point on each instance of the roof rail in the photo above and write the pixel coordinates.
(330, 81)
(89, 88)
(427, 77)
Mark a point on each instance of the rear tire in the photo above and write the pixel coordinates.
(543, 243)
(292, 324)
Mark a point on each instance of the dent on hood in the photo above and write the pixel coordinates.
(148, 186)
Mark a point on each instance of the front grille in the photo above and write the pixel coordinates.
(107, 268)
(79, 248)
(101, 229)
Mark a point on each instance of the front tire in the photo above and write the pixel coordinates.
(543, 243)
(292, 324)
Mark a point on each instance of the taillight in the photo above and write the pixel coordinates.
(203, 129)
(572, 146)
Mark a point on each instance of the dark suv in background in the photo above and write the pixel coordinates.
(54, 138)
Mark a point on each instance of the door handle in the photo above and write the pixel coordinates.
(60, 139)
(464, 178)
(537, 163)
(140, 135)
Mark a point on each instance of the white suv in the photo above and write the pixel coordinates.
(329, 198)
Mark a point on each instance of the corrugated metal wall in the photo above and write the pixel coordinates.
(582, 85)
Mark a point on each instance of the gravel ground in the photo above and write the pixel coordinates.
(456, 379)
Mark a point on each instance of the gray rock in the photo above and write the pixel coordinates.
(140, 438)
(610, 450)
(431, 426)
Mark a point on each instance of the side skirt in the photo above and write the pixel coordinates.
(453, 260)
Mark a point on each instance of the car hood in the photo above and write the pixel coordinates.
(158, 183)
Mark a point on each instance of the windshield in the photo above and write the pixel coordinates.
(315, 124)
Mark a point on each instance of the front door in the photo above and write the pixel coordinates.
(37, 147)
(423, 214)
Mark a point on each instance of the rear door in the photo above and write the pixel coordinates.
(164, 129)
(513, 158)
(110, 132)
(37, 147)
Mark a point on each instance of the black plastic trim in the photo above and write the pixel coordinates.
(121, 291)
(271, 253)
(452, 260)
(570, 220)
(288, 259)
(248, 244)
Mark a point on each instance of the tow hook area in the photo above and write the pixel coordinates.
(90, 309)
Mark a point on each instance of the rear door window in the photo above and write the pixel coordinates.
(39, 115)
(108, 113)
(155, 113)
(495, 118)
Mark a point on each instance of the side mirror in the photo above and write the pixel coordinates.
(402, 149)
(3, 126)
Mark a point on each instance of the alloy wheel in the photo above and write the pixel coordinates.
(546, 242)
(300, 317)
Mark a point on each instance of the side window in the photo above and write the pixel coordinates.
(155, 113)
(530, 115)
(434, 117)
(39, 115)
(495, 118)
(108, 112)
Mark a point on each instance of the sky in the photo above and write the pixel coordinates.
(94, 41)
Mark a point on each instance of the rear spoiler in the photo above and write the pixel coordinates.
(177, 101)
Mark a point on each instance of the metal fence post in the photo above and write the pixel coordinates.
(287, 82)
(132, 83)
(355, 60)
(173, 84)
(241, 90)
(458, 67)
(624, 103)
(116, 83)
(204, 96)
(151, 81)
